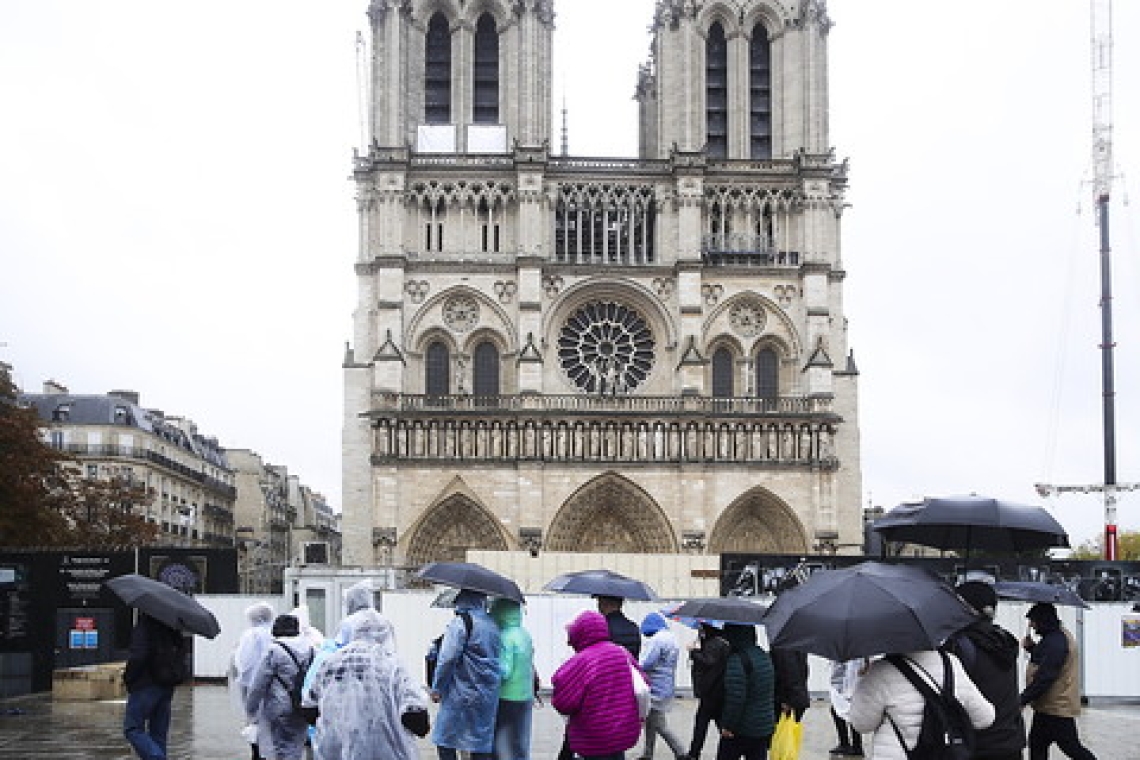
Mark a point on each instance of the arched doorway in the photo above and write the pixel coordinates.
(611, 514)
(759, 523)
(450, 528)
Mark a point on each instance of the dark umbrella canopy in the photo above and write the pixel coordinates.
(729, 609)
(1034, 591)
(468, 575)
(864, 610)
(964, 523)
(601, 583)
(165, 604)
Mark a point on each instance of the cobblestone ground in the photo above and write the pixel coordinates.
(205, 728)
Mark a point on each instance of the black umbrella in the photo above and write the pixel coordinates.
(962, 523)
(1035, 591)
(165, 604)
(730, 609)
(866, 609)
(601, 583)
(468, 575)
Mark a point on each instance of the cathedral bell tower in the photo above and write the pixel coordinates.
(553, 353)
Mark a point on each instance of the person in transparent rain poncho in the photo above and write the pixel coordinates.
(370, 707)
(281, 732)
(357, 599)
(248, 654)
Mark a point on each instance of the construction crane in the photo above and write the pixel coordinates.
(1103, 175)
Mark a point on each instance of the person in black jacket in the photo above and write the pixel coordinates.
(707, 657)
(156, 663)
(989, 654)
(791, 692)
(623, 631)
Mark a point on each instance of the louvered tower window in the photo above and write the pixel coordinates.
(722, 373)
(760, 92)
(437, 370)
(486, 370)
(767, 375)
(716, 93)
(486, 72)
(437, 71)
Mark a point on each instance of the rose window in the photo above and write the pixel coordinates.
(605, 347)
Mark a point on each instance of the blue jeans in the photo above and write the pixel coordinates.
(512, 730)
(147, 721)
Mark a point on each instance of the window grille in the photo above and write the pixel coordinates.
(760, 92)
(437, 369)
(722, 382)
(767, 375)
(716, 93)
(486, 73)
(485, 383)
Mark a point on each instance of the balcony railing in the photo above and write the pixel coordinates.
(745, 250)
(114, 451)
(384, 403)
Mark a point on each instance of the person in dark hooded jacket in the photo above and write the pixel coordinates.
(747, 719)
(989, 654)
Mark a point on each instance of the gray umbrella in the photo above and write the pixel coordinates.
(866, 609)
(729, 609)
(166, 604)
(601, 583)
(469, 575)
(1035, 591)
(965, 523)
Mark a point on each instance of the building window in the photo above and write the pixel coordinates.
(767, 375)
(433, 216)
(488, 228)
(437, 71)
(437, 370)
(722, 385)
(92, 472)
(760, 92)
(716, 93)
(485, 382)
(62, 413)
(56, 437)
(606, 347)
(486, 74)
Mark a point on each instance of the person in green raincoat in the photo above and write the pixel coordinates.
(516, 693)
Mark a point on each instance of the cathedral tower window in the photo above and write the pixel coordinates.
(760, 92)
(716, 93)
(433, 216)
(486, 73)
(722, 383)
(437, 71)
(485, 380)
(767, 375)
(437, 370)
(488, 228)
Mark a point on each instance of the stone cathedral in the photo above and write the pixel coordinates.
(565, 353)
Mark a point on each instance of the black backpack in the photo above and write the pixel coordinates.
(168, 666)
(946, 732)
(297, 688)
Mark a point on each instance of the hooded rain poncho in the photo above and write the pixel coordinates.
(361, 691)
(357, 599)
(467, 678)
(281, 733)
(250, 651)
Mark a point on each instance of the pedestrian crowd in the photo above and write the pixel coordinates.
(350, 698)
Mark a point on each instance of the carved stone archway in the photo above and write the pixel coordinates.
(611, 514)
(759, 523)
(450, 528)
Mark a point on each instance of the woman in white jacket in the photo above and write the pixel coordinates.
(884, 691)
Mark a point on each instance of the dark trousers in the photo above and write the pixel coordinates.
(746, 747)
(706, 714)
(146, 721)
(848, 736)
(1053, 729)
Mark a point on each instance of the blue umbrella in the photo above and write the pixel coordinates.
(601, 583)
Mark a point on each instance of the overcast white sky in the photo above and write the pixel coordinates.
(176, 219)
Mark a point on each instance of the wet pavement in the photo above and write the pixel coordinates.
(205, 727)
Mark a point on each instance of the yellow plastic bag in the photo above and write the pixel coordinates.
(787, 739)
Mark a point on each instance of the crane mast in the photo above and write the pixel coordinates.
(1101, 51)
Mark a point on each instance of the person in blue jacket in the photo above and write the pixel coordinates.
(659, 663)
(466, 682)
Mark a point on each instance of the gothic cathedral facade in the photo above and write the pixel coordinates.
(559, 353)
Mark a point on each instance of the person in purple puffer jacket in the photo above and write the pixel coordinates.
(594, 690)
